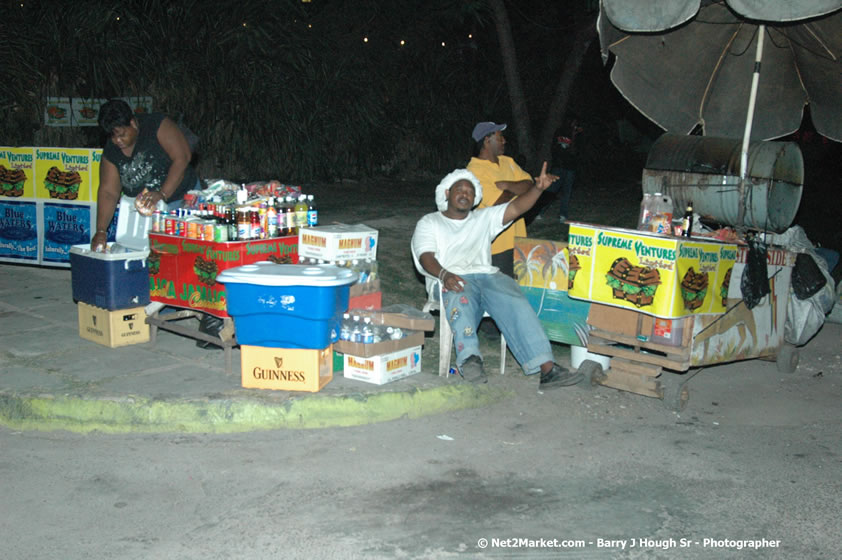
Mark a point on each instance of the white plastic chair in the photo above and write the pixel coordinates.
(435, 303)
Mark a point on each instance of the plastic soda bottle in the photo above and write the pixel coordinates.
(301, 208)
(256, 226)
(243, 224)
(271, 219)
(312, 212)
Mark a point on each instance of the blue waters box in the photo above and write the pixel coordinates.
(287, 305)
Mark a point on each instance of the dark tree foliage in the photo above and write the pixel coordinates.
(281, 88)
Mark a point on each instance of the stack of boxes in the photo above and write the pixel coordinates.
(286, 318)
(355, 246)
(389, 359)
(112, 288)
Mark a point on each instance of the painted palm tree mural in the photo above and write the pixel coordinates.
(541, 269)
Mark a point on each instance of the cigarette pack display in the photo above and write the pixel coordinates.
(287, 305)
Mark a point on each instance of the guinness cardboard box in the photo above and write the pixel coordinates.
(383, 368)
(121, 327)
(286, 369)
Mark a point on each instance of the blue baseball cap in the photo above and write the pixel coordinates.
(483, 129)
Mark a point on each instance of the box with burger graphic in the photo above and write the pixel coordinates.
(63, 174)
(663, 276)
(183, 271)
(17, 168)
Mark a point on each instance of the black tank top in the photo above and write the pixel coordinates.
(149, 163)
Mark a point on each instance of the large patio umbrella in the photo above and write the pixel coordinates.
(691, 63)
(696, 64)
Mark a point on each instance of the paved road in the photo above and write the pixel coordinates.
(754, 456)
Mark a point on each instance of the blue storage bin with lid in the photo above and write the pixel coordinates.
(287, 305)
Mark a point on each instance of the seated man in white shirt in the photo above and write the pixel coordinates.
(454, 245)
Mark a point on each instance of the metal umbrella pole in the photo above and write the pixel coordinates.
(755, 79)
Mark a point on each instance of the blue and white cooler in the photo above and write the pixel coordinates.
(287, 305)
(119, 277)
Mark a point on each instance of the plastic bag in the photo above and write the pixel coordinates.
(755, 283)
(804, 317)
(807, 277)
(212, 325)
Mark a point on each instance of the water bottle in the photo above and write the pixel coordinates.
(356, 330)
(367, 331)
(345, 327)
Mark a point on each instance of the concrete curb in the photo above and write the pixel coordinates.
(225, 415)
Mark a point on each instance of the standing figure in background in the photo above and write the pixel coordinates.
(565, 155)
(502, 180)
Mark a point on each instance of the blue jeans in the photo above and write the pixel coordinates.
(501, 297)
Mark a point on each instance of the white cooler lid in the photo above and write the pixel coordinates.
(267, 273)
(132, 226)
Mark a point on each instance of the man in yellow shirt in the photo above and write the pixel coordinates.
(502, 180)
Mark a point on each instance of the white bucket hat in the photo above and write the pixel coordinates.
(449, 180)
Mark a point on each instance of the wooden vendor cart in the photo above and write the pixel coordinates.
(663, 304)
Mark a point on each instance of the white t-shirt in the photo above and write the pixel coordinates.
(460, 246)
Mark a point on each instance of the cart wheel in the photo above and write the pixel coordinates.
(593, 374)
(676, 396)
(787, 358)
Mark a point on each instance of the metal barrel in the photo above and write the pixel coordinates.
(706, 171)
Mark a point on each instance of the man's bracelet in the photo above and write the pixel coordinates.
(101, 231)
(441, 276)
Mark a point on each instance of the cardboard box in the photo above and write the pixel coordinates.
(365, 288)
(182, 271)
(286, 369)
(338, 361)
(366, 302)
(402, 316)
(383, 368)
(338, 242)
(660, 275)
(414, 338)
(113, 328)
(544, 272)
(644, 328)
